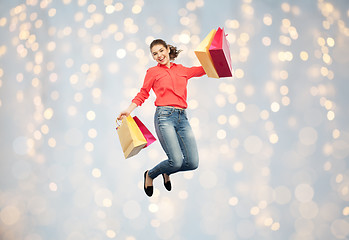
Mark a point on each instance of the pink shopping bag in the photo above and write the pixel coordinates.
(146, 133)
(220, 54)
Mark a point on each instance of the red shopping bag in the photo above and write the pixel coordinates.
(146, 133)
(220, 54)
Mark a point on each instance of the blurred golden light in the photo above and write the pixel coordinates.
(266, 41)
(275, 226)
(110, 233)
(10, 215)
(345, 211)
(96, 92)
(118, 36)
(183, 195)
(254, 211)
(72, 110)
(336, 133)
(184, 38)
(74, 79)
(233, 201)
(238, 166)
(285, 7)
(48, 113)
(285, 40)
(153, 208)
(240, 107)
(220, 100)
(239, 73)
(53, 187)
(284, 90)
(244, 37)
(54, 95)
(90, 115)
(286, 23)
(264, 114)
(273, 138)
(52, 142)
(268, 222)
(304, 55)
(222, 119)
(136, 9)
(191, 6)
(330, 115)
(92, 133)
(283, 74)
(293, 33)
(97, 51)
(327, 59)
(328, 104)
(109, 9)
(89, 146)
(37, 135)
(121, 53)
(285, 101)
(3, 21)
(78, 97)
(221, 134)
(330, 42)
(119, 6)
(234, 24)
(89, 23)
(275, 107)
(52, 12)
(247, 9)
(268, 19)
(321, 41)
(96, 173)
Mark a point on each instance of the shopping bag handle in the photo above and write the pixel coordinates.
(118, 123)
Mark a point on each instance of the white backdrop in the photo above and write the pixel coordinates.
(273, 140)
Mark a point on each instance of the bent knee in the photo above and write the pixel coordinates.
(193, 163)
(176, 163)
(194, 166)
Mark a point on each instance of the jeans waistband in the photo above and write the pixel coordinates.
(173, 108)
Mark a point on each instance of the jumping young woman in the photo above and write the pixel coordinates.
(169, 83)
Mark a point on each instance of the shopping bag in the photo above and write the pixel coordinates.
(204, 57)
(131, 138)
(220, 54)
(146, 133)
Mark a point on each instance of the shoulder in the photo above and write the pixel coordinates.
(153, 69)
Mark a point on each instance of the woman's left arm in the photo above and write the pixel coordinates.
(195, 72)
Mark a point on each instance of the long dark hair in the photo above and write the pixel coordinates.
(173, 50)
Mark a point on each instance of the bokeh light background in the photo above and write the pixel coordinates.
(273, 140)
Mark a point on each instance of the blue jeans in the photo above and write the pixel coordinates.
(177, 139)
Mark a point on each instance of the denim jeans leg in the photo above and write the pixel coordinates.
(177, 140)
(188, 145)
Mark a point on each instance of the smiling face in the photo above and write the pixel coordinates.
(161, 54)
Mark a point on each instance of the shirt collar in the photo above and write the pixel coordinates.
(172, 65)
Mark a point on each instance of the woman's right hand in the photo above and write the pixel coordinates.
(127, 111)
(123, 114)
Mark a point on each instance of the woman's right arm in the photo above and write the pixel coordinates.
(127, 111)
(141, 96)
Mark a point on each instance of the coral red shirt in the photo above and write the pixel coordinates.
(168, 84)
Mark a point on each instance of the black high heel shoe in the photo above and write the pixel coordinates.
(148, 190)
(167, 184)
